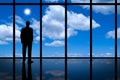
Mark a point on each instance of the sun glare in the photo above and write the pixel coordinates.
(27, 11)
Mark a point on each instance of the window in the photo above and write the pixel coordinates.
(6, 31)
(103, 42)
(53, 30)
(118, 37)
(70, 36)
(24, 13)
(27, 1)
(78, 36)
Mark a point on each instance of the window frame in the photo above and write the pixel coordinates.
(66, 55)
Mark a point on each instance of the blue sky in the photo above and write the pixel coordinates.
(27, 1)
(53, 30)
(6, 1)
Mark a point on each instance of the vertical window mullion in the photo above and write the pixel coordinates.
(13, 39)
(40, 39)
(65, 39)
(90, 39)
(115, 39)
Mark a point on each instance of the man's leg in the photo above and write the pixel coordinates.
(29, 51)
(24, 51)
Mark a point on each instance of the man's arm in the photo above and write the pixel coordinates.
(32, 35)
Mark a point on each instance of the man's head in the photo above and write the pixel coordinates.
(27, 23)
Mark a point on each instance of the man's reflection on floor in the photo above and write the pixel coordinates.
(29, 76)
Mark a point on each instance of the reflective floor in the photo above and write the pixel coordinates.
(54, 69)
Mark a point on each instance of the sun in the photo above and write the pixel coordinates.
(27, 11)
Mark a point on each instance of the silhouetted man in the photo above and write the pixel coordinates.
(26, 40)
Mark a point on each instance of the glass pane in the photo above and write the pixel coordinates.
(6, 31)
(27, 1)
(78, 31)
(103, 69)
(78, 69)
(55, 71)
(6, 69)
(103, 1)
(103, 35)
(6, 1)
(52, 1)
(118, 37)
(26, 71)
(78, 1)
(118, 31)
(53, 31)
(23, 14)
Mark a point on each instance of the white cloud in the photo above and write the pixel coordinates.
(111, 34)
(80, 22)
(53, 26)
(53, 22)
(71, 32)
(35, 24)
(3, 42)
(55, 54)
(80, 1)
(18, 55)
(54, 1)
(103, 9)
(5, 31)
(103, 1)
(6, 34)
(51, 0)
(55, 43)
(95, 1)
(118, 9)
(37, 38)
(77, 55)
(107, 54)
(19, 20)
(106, 10)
